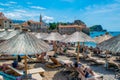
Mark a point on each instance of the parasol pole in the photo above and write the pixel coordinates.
(78, 46)
(106, 59)
(55, 47)
(26, 66)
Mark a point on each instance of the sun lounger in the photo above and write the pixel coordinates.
(55, 63)
(97, 77)
(34, 60)
(104, 55)
(17, 72)
(73, 52)
(8, 58)
(30, 71)
(96, 60)
(63, 62)
(36, 76)
(36, 70)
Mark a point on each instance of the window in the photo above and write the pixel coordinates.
(5, 21)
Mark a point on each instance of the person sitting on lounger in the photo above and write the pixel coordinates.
(15, 64)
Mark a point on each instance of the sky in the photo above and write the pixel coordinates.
(92, 12)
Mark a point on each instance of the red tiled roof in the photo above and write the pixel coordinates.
(34, 22)
(25, 24)
(72, 26)
(2, 16)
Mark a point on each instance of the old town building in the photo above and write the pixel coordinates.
(5, 23)
(36, 26)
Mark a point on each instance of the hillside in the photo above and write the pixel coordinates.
(96, 28)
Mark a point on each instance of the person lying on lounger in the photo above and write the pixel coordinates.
(84, 72)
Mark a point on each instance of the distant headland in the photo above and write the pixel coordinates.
(98, 28)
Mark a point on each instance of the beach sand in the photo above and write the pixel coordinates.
(56, 74)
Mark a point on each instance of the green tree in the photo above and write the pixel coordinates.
(53, 26)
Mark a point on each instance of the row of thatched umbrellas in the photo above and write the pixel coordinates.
(26, 43)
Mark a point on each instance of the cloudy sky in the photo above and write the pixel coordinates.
(92, 12)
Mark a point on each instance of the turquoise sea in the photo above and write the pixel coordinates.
(94, 34)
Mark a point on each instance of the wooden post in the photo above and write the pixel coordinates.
(54, 46)
(26, 66)
(78, 46)
(106, 59)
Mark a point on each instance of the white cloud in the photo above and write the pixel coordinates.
(20, 10)
(28, 2)
(12, 2)
(13, 15)
(96, 9)
(4, 4)
(48, 18)
(1, 9)
(18, 14)
(38, 7)
(8, 3)
(68, 0)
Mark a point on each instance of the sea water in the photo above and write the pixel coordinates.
(95, 34)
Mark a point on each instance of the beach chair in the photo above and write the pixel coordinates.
(97, 77)
(36, 76)
(36, 70)
(55, 63)
(30, 71)
(96, 61)
(16, 71)
(8, 58)
(34, 60)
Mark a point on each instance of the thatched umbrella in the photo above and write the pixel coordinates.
(112, 44)
(41, 35)
(3, 33)
(10, 35)
(65, 35)
(54, 36)
(102, 38)
(24, 43)
(78, 37)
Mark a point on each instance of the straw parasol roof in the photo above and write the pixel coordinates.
(65, 35)
(10, 35)
(78, 37)
(112, 44)
(54, 36)
(34, 33)
(41, 35)
(24, 43)
(3, 33)
(102, 38)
